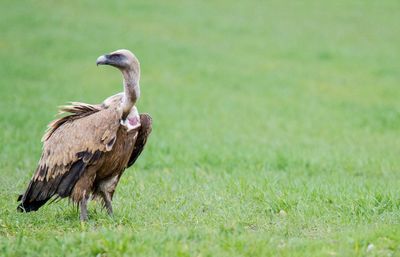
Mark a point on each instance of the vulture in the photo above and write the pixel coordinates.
(86, 150)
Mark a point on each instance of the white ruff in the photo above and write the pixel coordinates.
(132, 121)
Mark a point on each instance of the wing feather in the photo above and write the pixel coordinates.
(143, 134)
(82, 132)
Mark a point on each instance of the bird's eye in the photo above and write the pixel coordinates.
(116, 57)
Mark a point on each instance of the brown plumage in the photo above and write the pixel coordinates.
(86, 151)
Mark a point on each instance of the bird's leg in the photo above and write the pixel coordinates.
(83, 208)
(107, 202)
(106, 190)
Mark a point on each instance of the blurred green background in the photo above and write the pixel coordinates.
(276, 126)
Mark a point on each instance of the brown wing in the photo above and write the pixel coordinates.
(71, 144)
(143, 134)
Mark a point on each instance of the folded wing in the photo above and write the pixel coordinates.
(71, 145)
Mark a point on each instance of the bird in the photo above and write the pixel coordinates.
(88, 147)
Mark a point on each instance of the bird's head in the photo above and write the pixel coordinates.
(122, 59)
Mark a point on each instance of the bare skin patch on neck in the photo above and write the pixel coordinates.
(132, 121)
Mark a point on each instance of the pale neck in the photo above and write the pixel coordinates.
(131, 90)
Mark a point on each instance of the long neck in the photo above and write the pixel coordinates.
(131, 90)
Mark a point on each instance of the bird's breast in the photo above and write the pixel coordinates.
(117, 159)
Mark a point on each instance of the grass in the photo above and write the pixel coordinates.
(276, 126)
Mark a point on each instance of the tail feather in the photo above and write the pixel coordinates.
(29, 203)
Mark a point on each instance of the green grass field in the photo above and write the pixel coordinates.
(276, 126)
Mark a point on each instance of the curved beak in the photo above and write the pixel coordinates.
(102, 60)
